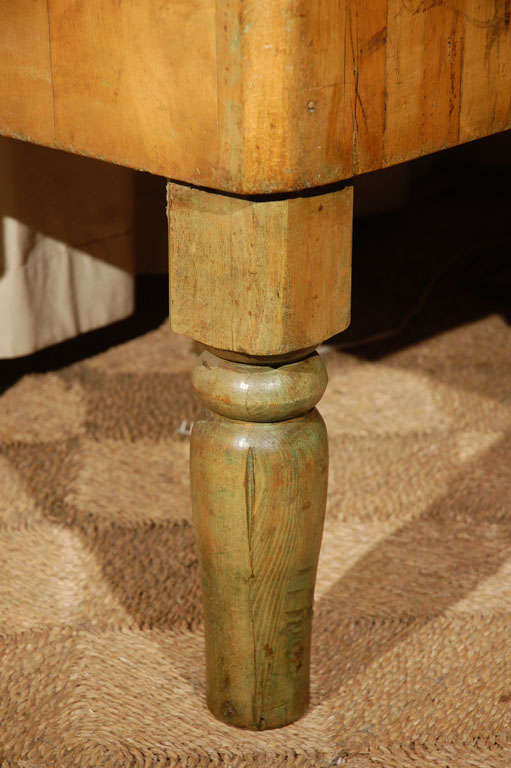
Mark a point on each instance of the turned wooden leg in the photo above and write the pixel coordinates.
(260, 283)
(259, 466)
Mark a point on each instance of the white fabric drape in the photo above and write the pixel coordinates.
(66, 246)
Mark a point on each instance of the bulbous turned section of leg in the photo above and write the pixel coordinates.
(259, 463)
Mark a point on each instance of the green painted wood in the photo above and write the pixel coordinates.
(259, 392)
(259, 493)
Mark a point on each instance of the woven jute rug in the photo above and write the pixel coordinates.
(101, 633)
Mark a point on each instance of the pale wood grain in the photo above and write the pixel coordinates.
(486, 74)
(262, 278)
(25, 71)
(136, 82)
(443, 55)
(258, 495)
(285, 104)
(255, 96)
(369, 35)
(404, 81)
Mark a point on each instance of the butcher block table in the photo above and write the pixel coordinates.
(259, 112)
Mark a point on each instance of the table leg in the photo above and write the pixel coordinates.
(259, 454)
(259, 490)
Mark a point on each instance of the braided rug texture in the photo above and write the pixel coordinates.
(101, 634)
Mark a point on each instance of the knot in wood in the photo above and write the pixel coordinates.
(260, 393)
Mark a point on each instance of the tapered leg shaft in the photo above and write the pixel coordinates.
(259, 493)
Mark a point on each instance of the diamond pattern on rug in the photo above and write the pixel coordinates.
(102, 657)
(115, 476)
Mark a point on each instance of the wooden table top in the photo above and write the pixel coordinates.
(254, 96)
